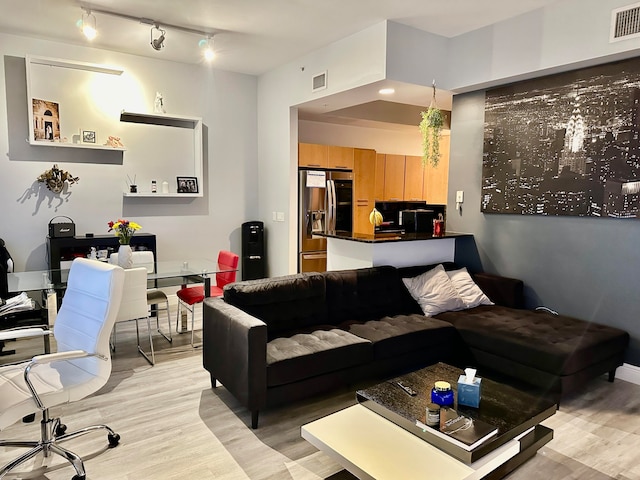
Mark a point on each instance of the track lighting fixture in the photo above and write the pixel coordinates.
(89, 25)
(158, 34)
(207, 48)
(158, 42)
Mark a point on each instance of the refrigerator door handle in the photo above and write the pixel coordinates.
(331, 194)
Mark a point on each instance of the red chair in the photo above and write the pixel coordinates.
(189, 296)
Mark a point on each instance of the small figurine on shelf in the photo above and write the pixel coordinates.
(158, 104)
(114, 142)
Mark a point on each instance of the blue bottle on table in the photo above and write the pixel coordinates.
(441, 394)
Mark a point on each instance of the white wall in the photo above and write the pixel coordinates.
(351, 62)
(398, 142)
(198, 227)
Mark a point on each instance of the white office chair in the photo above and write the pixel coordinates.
(81, 366)
(155, 296)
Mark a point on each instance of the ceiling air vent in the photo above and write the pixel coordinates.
(625, 22)
(319, 81)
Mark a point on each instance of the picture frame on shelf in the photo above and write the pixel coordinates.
(46, 120)
(88, 137)
(187, 184)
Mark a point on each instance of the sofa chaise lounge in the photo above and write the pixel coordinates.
(276, 340)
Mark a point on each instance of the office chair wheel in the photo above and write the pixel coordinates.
(79, 477)
(29, 418)
(114, 439)
(61, 428)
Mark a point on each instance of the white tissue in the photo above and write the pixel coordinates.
(471, 373)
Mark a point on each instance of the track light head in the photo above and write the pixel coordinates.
(158, 42)
(89, 25)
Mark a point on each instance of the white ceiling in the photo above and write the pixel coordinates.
(255, 35)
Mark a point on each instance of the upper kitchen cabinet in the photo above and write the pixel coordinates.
(340, 158)
(325, 156)
(436, 179)
(379, 180)
(363, 189)
(394, 178)
(313, 155)
(413, 178)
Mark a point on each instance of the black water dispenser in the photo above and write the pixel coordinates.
(253, 253)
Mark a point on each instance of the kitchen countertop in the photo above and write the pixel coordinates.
(383, 237)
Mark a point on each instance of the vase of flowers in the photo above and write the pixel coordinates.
(124, 230)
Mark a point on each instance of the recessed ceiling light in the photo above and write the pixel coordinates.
(386, 91)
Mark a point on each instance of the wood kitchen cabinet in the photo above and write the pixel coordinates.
(379, 181)
(413, 178)
(340, 157)
(313, 155)
(436, 179)
(364, 162)
(393, 177)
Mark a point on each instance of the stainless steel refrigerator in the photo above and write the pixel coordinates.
(325, 204)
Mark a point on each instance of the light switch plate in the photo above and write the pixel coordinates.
(459, 196)
(280, 216)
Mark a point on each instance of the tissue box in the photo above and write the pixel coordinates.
(469, 393)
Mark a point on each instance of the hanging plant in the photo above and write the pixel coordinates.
(430, 128)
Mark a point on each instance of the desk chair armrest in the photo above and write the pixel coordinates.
(50, 358)
(25, 332)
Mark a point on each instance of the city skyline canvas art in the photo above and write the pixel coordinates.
(565, 144)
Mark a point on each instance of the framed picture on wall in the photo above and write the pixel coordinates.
(88, 136)
(187, 185)
(46, 120)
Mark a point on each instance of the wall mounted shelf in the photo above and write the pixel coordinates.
(195, 164)
(160, 195)
(75, 145)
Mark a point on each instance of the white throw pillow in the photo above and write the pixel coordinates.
(467, 288)
(434, 292)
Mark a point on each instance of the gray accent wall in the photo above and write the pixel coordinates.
(583, 267)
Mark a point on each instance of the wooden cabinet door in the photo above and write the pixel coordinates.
(413, 178)
(394, 177)
(379, 183)
(436, 179)
(313, 155)
(364, 161)
(340, 158)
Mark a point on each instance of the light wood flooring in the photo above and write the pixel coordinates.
(174, 426)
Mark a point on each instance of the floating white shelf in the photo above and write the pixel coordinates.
(75, 145)
(160, 195)
(90, 67)
(161, 119)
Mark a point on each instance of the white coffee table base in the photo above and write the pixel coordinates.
(371, 447)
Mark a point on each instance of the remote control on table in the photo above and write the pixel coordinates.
(408, 390)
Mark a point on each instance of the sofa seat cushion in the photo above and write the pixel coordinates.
(556, 344)
(306, 355)
(400, 334)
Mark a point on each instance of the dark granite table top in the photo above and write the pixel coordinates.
(511, 410)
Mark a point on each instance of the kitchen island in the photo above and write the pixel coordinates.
(347, 250)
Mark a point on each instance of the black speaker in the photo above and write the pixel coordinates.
(253, 253)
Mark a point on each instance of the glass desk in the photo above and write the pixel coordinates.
(167, 273)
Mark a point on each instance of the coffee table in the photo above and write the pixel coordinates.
(378, 438)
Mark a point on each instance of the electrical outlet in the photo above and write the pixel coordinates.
(459, 196)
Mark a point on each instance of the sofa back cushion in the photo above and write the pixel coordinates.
(285, 304)
(364, 294)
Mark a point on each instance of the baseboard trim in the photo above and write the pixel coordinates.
(629, 373)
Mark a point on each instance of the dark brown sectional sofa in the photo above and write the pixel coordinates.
(273, 341)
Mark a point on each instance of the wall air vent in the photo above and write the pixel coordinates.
(625, 23)
(319, 81)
